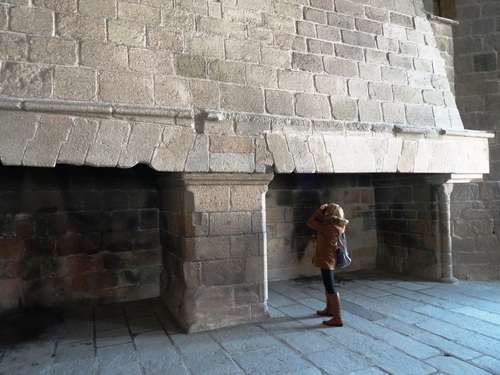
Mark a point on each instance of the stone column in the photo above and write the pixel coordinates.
(443, 235)
(214, 248)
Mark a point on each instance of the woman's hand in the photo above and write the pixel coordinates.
(323, 206)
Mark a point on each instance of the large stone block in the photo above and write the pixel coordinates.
(232, 162)
(82, 134)
(147, 60)
(340, 67)
(225, 223)
(72, 83)
(125, 87)
(126, 33)
(171, 154)
(276, 57)
(34, 21)
(262, 76)
(13, 144)
(242, 98)
(312, 106)
(14, 46)
(100, 55)
(110, 139)
(207, 248)
(43, 149)
(394, 113)
(332, 85)
(420, 115)
(73, 26)
(226, 71)
(143, 14)
(295, 81)
(321, 157)
(242, 50)
(143, 139)
(198, 158)
(165, 38)
(307, 62)
(344, 108)
(279, 102)
(369, 111)
(169, 91)
(99, 8)
(25, 80)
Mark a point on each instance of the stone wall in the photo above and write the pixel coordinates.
(476, 220)
(284, 58)
(120, 83)
(214, 240)
(70, 234)
(292, 198)
(407, 226)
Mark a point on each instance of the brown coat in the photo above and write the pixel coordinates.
(325, 256)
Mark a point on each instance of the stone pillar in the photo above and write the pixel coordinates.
(443, 235)
(214, 248)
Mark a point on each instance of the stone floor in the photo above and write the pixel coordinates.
(391, 326)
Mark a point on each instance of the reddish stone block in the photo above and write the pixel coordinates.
(146, 257)
(39, 246)
(94, 281)
(146, 239)
(116, 261)
(23, 226)
(57, 223)
(82, 264)
(9, 269)
(71, 243)
(117, 241)
(11, 248)
(29, 269)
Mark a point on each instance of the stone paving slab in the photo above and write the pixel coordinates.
(392, 325)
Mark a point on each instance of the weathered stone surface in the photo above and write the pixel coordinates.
(14, 46)
(144, 138)
(198, 158)
(173, 150)
(13, 143)
(247, 198)
(344, 108)
(279, 102)
(241, 98)
(53, 51)
(170, 91)
(75, 83)
(109, 142)
(101, 55)
(82, 134)
(302, 157)
(43, 149)
(232, 162)
(225, 223)
(321, 157)
(283, 160)
(126, 87)
(31, 21)
(23, 80)
(312, 106)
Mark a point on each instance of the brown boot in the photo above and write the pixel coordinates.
(336, 320)
(328, 309)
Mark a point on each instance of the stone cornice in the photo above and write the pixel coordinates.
(44, 133)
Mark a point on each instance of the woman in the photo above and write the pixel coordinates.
(329, 222)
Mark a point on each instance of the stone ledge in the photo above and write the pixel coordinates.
(91, 109)
(174, 140)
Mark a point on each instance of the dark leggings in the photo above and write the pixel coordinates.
(328, 280)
